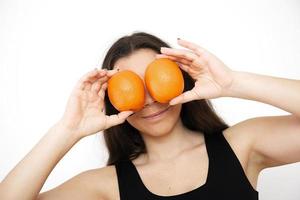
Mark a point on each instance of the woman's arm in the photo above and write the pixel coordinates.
(275, 138)
(83, 116)
(279, 92)
(27, 178)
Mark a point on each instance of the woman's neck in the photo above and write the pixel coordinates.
(171, 144)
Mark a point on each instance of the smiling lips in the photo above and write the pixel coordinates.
(155, 114)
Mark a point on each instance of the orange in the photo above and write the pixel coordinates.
(164, 80)
(126, 91)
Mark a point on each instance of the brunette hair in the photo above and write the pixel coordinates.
(124, 141)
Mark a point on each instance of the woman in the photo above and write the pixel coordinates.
(186, 152)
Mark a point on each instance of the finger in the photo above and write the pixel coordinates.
(177, 59)
(182, 63)
(184, 97)
(102, 90)
(163, 56)
(101, 95)
(110, 73)
(179, 53)
(87, 78)
(86, 85)
(167, 56)
(97, 85)
(87, 81)
(192, 46)
(83, 80)
(101, 73)
(116, 119)
(184, 67)
(93, 80)
(89, 75)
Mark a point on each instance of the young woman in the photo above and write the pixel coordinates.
(186, 152)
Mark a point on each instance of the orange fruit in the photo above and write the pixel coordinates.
(164, 80)
(126, 91)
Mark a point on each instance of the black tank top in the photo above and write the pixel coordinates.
(226, 178)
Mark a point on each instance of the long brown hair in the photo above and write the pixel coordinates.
(124, 141)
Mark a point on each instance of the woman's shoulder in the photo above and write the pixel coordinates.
(100, 184)
(104, 180)
(240, 140)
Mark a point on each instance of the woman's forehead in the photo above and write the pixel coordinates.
(137, 61)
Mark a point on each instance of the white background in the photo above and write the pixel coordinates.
(45, 47)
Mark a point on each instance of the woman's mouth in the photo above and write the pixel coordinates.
(156, 115)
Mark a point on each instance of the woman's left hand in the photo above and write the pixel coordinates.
(212, 77)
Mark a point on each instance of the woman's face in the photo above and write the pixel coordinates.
(153, 126)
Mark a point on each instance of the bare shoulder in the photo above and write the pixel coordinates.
(100, 184)
(273, 139)
(265, 141)
(241, 137)
(105, 181)
(241, 141)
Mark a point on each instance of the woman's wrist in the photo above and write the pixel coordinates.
(232, 90)
(60, 127)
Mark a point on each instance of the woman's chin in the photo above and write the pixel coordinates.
(158, 131)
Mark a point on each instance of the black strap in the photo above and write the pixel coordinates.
(129, 182)
(226, 169)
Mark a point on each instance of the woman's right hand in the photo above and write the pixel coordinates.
(84, 114)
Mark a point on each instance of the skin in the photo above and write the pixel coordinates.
(259, 142)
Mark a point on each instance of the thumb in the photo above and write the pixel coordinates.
(119, 118)
(185, 97)
(125, 114)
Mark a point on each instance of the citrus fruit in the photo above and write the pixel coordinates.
(126, 91)
(164, 80)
